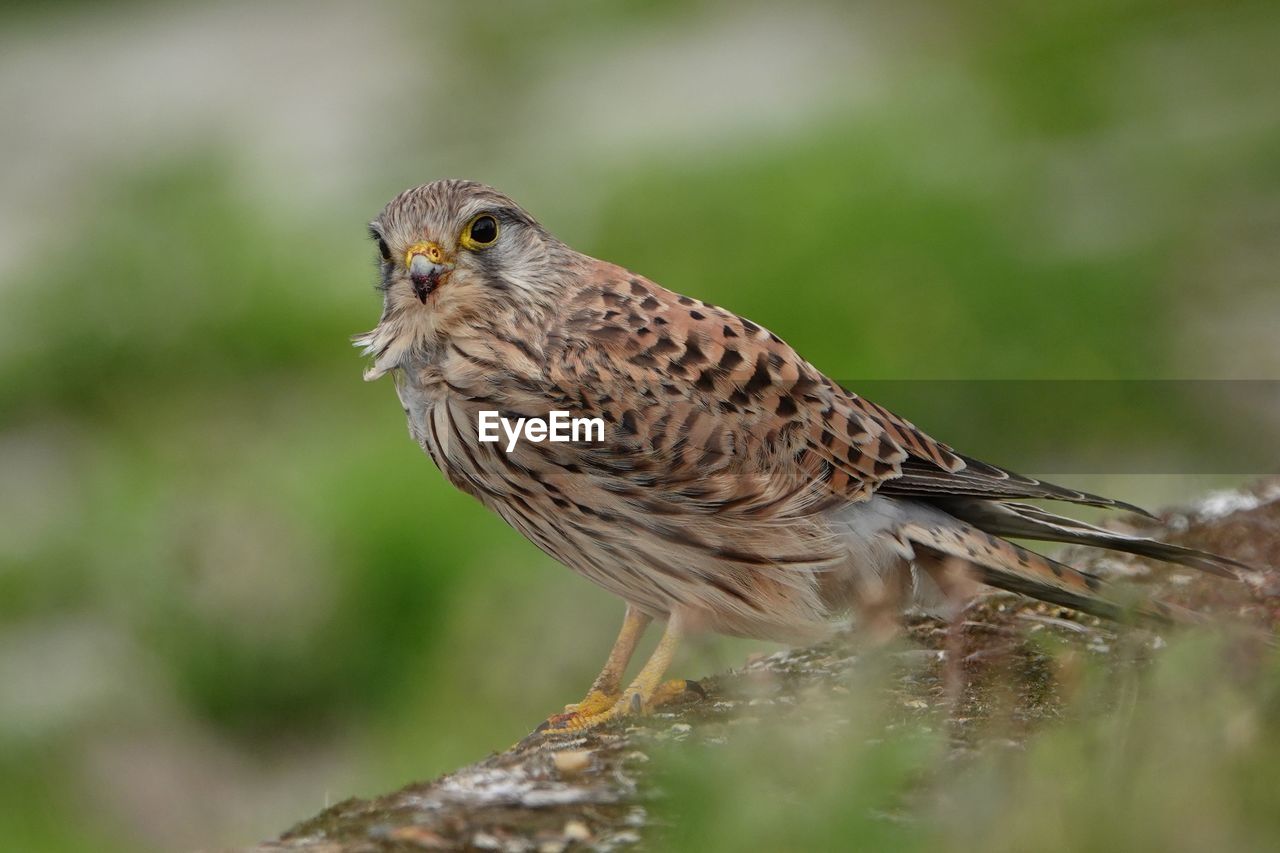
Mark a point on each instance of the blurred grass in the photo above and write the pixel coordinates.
(1179, 756)
(203, 474)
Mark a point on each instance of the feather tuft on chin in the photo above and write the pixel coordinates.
(376, 343)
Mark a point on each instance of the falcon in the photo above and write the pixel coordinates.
(737, 489)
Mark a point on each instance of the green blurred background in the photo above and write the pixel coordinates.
(233, 590)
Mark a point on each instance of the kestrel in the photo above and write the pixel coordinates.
(737, 488)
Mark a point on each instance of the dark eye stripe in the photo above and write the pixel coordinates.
(383, 249)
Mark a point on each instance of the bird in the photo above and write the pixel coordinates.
(737, 489)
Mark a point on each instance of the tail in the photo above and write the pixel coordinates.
(1002, 564)
(1031, 522)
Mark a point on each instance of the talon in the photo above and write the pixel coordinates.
(555, 722)
(677, 690)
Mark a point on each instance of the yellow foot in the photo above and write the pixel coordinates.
(599, 708)
(595, 702)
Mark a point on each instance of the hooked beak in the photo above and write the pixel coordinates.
(427, 266)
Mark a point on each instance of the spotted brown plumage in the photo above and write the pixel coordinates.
(737, 488)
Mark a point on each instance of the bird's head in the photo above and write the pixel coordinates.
(453, 257)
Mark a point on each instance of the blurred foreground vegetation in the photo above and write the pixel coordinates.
(231, 587)
(1174, 755)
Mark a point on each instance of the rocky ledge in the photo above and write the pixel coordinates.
(594, 790)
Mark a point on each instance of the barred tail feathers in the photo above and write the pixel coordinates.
(1002, 564)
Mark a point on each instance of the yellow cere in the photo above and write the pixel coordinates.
(432, 251)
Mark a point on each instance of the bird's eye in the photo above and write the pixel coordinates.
(482, 232)
(383, 248)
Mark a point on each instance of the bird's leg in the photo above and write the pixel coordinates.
(607, 687)
(646, 691)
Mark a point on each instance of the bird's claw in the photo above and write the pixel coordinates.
(592, 712)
